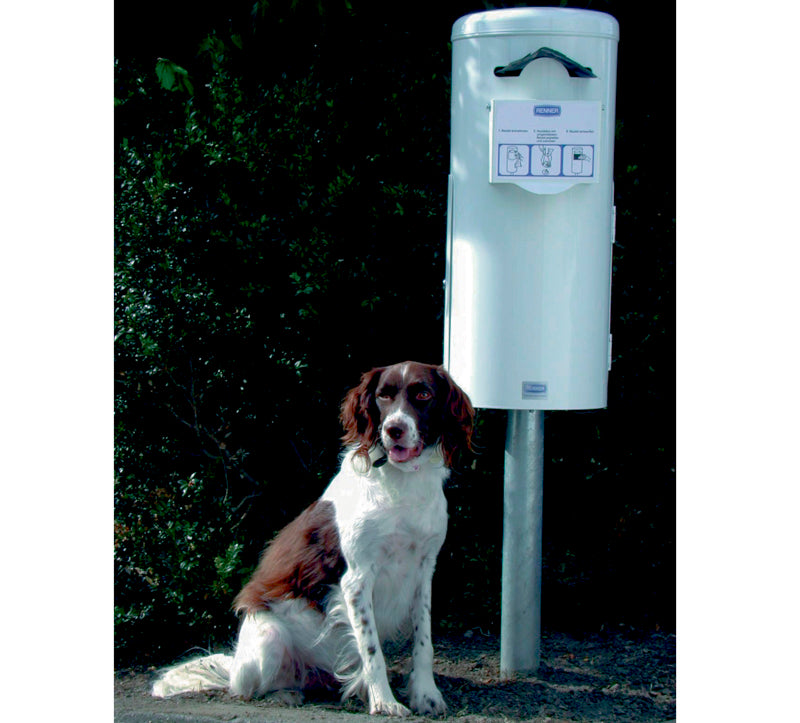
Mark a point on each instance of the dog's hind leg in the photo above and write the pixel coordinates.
(263, 661)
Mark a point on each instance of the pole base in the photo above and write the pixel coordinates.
(520, 618)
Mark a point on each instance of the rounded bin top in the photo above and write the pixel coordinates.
(536, 21)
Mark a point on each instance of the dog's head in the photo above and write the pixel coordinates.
(408, 408)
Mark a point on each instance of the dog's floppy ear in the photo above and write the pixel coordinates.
(360, 414)
(458, 419)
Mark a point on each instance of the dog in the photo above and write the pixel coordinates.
(355, 568)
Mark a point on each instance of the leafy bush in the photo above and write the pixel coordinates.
(249, 261)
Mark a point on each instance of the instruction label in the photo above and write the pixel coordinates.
(544, 139)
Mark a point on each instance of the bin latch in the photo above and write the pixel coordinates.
(513, 69)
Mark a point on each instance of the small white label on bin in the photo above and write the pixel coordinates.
(544, 140)
(534, 390)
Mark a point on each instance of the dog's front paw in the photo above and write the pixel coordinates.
(427, 700)
(388, 707)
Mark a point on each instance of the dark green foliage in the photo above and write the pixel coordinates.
(253, 257)
(281, 183)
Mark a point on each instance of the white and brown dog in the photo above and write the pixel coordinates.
(355, 568)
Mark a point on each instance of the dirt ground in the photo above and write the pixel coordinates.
(608, 678)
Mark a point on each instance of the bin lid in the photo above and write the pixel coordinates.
(537, 21)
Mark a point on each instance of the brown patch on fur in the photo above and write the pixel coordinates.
(303, 561)
(458, 419)
(359, 415)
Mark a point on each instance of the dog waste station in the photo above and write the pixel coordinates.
(529, 253)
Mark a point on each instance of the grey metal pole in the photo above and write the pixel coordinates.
(520, 615)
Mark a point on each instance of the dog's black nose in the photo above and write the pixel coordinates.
(395, 431)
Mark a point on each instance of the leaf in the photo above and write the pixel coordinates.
(165, 73)
(173, 77)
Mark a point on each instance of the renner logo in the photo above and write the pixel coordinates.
(547, 110)
(533, 389)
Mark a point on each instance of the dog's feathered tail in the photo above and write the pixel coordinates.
(212, 672)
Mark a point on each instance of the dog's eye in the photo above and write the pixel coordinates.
(424, 396)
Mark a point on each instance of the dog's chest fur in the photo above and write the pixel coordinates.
(391, 526)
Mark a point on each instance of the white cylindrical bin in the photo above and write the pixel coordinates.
(530, 211)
